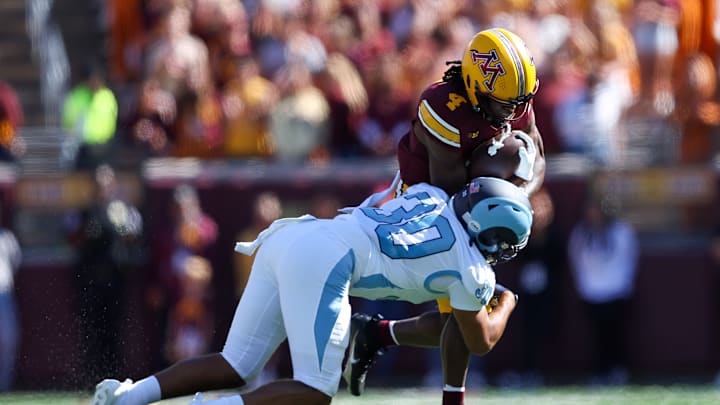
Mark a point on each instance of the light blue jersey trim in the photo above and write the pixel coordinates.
(374, 281)
(336, 286)
(443, 273)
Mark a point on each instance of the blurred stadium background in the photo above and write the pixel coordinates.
(662, 167)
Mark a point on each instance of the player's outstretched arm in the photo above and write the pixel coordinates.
(480, 330)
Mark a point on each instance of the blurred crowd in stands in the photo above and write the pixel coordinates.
(312, 80)
(623, 82)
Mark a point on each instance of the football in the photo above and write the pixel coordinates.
(497, 157)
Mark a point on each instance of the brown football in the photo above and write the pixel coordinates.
(501, 164)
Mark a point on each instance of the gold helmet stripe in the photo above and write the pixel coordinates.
(438, 127)
(517, 61)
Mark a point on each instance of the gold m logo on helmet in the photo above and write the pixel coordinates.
(489, 65)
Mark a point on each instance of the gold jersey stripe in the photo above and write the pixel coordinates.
(440, 129)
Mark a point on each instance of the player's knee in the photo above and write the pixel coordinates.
(233, 369)
(312, 396)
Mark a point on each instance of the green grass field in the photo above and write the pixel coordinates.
(650, 395)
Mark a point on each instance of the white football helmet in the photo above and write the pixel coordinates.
(497, 215)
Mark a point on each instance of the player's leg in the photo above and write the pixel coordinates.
(255, 332)
(204, 373)
(258, 328)
(367, 343)
(419, 331)
(317, 316)
(279, 392)
(313, 287)
(455, 362)
(431, 329)
(372, 335)
(286, 392)
(208, 372)
(454, 354)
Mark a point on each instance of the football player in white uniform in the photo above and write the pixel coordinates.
(416, 248)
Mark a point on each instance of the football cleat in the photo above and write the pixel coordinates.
(365, 348)
(111, 392)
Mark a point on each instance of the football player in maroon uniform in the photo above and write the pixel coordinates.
(478, 120)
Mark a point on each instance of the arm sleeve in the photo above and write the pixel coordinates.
(461, 298)
(429, 114)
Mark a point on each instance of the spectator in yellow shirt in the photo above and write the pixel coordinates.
(89, 116)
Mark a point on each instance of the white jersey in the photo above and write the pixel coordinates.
(419, 252)
(413, 248)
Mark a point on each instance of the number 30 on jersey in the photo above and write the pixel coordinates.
(412, 230)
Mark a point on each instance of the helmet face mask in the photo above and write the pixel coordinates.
(498, 112)
(498, 250)
(497, 216)
(497, 67)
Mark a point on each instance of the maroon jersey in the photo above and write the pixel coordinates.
(448, 117)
